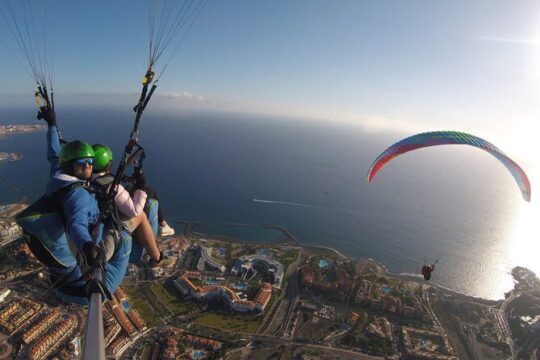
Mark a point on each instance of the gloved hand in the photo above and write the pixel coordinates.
(140, 180)
(47, 114)
(92, 253)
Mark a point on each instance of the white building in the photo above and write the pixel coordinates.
(4, 294)
(206, 255)
(273, 267)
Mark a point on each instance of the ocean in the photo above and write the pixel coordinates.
(456, 204)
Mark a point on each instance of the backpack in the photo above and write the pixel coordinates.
(44, 230)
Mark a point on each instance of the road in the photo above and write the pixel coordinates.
(276, 341)
(286, 297)
(291, 295)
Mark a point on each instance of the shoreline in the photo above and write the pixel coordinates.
(10, 156)
(405, 276)
(418, 279)
(290, 238)
(188, 229)
(335, 251)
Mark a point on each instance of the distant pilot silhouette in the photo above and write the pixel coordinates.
(427, 270)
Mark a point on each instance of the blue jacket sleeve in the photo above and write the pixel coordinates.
(79, 212)
(53, 149)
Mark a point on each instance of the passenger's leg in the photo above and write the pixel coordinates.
(164, 228)
(143, 235)
(116, 267)
(152, 195)
(151, 210)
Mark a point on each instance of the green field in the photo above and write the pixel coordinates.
(241, 323)
(171, 298)
(137, 300)
(288, 258)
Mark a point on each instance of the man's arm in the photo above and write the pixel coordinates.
(77, 206)
(53, 149)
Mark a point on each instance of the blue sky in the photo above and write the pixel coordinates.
(406, 65)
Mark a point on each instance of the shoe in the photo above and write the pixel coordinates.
(163, 262)
(166, 230)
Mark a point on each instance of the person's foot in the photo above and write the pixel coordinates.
(163, 262)
(166, 230)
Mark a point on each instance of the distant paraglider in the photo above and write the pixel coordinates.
(448, 138)
(428, 269)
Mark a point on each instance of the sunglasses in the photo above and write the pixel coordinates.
(83, 162)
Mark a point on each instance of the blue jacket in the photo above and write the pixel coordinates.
(79, 206)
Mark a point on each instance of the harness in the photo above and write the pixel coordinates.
(100, 188)
(37, 244)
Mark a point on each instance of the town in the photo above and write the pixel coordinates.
(224, 298)
(6, 130)
(19, 129)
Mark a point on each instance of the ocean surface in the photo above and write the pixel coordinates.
(452, 203)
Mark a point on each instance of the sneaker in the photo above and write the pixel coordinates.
(166, 230)
(163, 262)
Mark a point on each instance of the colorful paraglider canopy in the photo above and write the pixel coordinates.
(448, 138)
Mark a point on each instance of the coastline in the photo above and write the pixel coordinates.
(384, 271)
(289, 238)
(8, 156)
(418, 279)
(335, 251)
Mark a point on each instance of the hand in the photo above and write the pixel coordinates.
(92, 253)
(140, 180)
(47, 114)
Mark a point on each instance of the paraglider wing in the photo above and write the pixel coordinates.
(448, 138)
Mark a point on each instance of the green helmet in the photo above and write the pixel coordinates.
(74, 150)
(104, 158)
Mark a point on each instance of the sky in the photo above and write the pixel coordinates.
(386, 65)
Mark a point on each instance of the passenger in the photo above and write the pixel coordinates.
(130, 208)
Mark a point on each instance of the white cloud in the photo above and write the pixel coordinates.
(375, 124)
(522, 41)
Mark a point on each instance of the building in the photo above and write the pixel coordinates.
(351, 320)
(53, 339)
(202, 342)
(365, 293)
(8, 310)
(4, 294)
(171, 347)
(120, 294)
(194, 275)
(117, 346)
(121, 317)
(137, 320)
(263, 295)
(17, 312)
(392, 304)
(111, 331)
(380, 328)
(200, 264)
(41, 326)
(426, 344)
(209, 261)
(258, 304)
(340, 286)
(245, 267)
